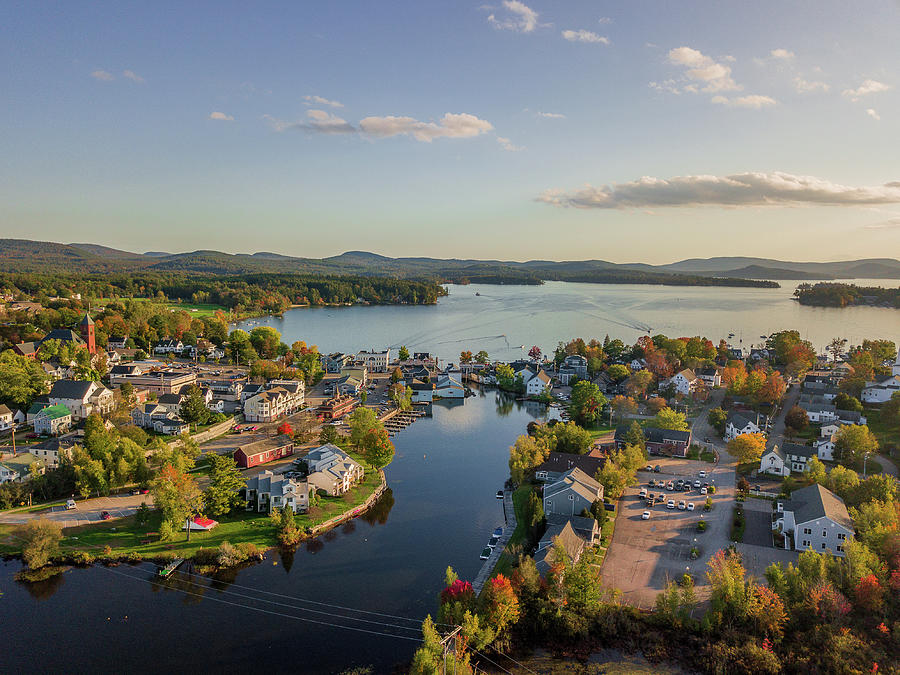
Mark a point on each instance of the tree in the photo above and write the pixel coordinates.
(401, 396)
(482, 357)
(836, 348)
(623, 405)
(717, 418)
(844, 401)
(869, 594)
(747, 447)
(21, 379)
(285, 522)
(329, 435)
(465, 356)
(396, 375)
(638, 382)
(534, 353)
(225, 483)
(853, 442)
(772, 390)
(177, 495)
(239, 347)
(360, 421)
(265, 341)
(766, 612)
(670, 419)
(572, 438)
(815, 471)
(582, 585)
(618, 372)
(193, 408)
(377, 447)
(403, 354)
(635, 436)
(525, 454)
(429, 657)
(587, 403)
(797, 419)
(40, 542)
(500, 604)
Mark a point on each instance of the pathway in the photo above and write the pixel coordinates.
(489, 564)
(887, 466)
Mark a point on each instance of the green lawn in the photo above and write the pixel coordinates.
(202, 310)
(600, 430)
(888, 434)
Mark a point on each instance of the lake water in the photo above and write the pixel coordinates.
(503, 318)
(443, 482)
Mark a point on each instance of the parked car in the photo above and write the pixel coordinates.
(70, 504)
(657, 468)
(702, 474)
(649, 467)
(697, 483)
(104, 515)
(643, 494)
(645, 515)
(679, 483)
(682, 505)
(703, 491)
(690, 506)
(670, 504)
(670, 485)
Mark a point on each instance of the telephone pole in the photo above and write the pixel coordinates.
(445, 643)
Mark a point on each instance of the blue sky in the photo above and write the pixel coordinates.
(564, 130)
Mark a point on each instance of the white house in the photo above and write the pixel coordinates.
(168, 346)
(881, 389)
(280, 398)
(53, 420)
(82, 398)
(266, 491)
(448, 387)
(572, 493)
(710, 377)
(738, 425)
(376, 362)
(774, 462)
(538, 383)
(7, 474)
(332, 470)
(6, 418)
(825, 448)
(684, 382)
(817, 518)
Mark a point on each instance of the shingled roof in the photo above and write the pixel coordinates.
(814, 502)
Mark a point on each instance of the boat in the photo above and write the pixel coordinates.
(493, 542)
(166, 571)
(486, 553)
(478, 295)
(498, 532)
(499, 494)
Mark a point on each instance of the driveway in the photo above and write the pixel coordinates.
(88, 510)
(887, 466)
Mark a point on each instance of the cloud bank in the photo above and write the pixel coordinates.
(451, 125)
(712, 75)
(516, 17)
(318, 100)
(102, 75)
(866, 88)
(584, 36)
(743, 189)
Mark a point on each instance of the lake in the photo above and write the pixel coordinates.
(503, 318)
(441, 511)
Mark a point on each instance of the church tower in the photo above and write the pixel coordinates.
(87, 333)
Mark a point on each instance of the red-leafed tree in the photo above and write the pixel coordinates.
(286, 429)
(501, 606)
(534, 353)
(869, 594)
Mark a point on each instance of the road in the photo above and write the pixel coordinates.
(776, 433)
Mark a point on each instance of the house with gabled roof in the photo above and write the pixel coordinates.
(574, 492)
(565, 536)
(53, 420)
(557, 463)
(817, 518)
(738, 425)
(82, 398)
(684, 382)
(266, 491)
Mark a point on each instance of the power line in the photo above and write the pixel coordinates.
(492, 662)
(274, 613)
(512, 659)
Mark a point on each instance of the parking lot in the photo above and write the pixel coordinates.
(646, 554)
(86, 512)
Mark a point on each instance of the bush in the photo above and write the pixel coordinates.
(82, 558)
(229, 556)
(206, 556)
(702, 525)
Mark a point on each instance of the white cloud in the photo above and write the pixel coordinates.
(889, 224)
(670, 86)
(871, 112)
(584, 36)
(552, 116)
(507, 144)
(867, 87)
(744, 189)
(808, 87)
(451, 125)
(318, 121)
(754, 101)
(715, 76)
(318, 100)
(782, 54)
(221, 116)
(133, 76)
(604, 20)
(102, 75)
(517, 17)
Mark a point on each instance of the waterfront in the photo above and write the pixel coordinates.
(502, 318)
(443, 483)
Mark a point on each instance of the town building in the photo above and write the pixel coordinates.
(684, 382)
(376, 362)
(738, 425)
(566, 537)
(266, 450)
(266, 491)
(572, 493)
(538, 384)
(557, 463)
(158, 382)
(53, 420)
(817, 518)
(6, 418)
(881, 389)
(82, 398)
(658, 441)
(335, 408)
(279, 398)
(335, 362)
(332, 470)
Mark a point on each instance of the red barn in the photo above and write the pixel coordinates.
(266, 450)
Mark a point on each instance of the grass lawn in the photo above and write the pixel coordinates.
(600, 430)
(606, 535)
(888, 434)
(196, 310)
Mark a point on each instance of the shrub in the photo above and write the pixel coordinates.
(229, 556)
(82, 558)
(702, 525)
(206, 556)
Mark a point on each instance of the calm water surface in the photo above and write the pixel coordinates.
(443, 480)
(502, 318)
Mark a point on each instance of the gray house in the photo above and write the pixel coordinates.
(574, 492)
(266, 491)
(817, 518)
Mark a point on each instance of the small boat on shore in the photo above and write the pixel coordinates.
(493, 542)
(486, 553)
(498, 532)
(499, 494)
(166, 571)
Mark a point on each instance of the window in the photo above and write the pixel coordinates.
(572, 497)
(823, 545)
(824, 533)
(840, 548)
(841, 536)
(807, 530)
(804, 543)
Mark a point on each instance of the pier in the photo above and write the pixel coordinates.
(509, 513)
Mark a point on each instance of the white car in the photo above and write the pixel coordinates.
(702, 474)
(670, 504)
(682, 505)
(645, 515)
(690, 506)
(703, 491)
(643, 494)
(697, 483)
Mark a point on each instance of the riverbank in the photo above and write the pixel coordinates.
(128, 540)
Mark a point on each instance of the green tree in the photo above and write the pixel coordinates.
(618, 372)
(377, 447)
(193, 408)
(428, 658)
(329, 435)
(40, 542)
(239, 347)
(222, 495)
(587, 403)
(21, 379)
(265, 341)
(403, 354)
(582, 586)
(178, 497)
(571, 438)
(670, 419)
(852, 442)
(717, 418)
(482, 357)
(286, 524)
(635, 436)
(361, 421)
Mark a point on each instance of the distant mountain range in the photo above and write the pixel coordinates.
(22, 255)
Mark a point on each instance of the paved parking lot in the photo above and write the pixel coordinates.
(86, 512)
(645, 554)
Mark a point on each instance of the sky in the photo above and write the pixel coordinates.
(629, 132)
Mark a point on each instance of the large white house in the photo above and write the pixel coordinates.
(448, 387)
(791, 457)
(817, 518)
(82, 398)
(684, 382)
(280, 398)
(738, 425)
(537, 383)
(881, 389)
(266, 491)
(376, 362)
(332, 470)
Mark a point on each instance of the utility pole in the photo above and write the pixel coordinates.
(445, 643)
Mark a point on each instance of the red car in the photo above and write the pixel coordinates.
(104, 515)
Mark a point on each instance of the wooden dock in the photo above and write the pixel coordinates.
(509, 514)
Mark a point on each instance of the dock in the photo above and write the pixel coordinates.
(399, 420)
(509, 513)
(166, 571)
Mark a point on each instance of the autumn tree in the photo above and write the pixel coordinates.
(747, 447)
(586, 404)
(796, 419)
(622, 406)
(465, 356)
(377, 447)
(500, 605)
(525, 454)
(285, 429)
(40, 542)
(670, 419)
(178, 496)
